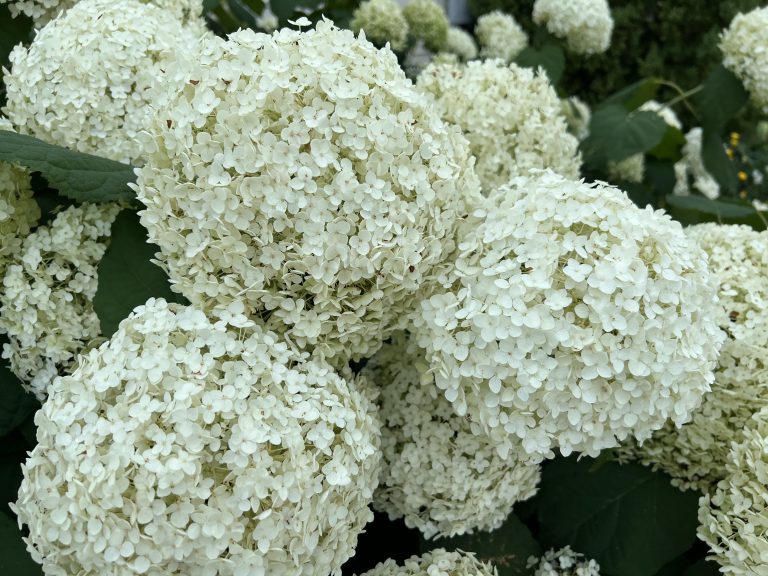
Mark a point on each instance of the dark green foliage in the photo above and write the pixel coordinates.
(615, 134)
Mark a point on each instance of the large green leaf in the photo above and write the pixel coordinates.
(670, 146)
(703, 568)
(634, 95)
(14, 558)
(628, 518)
(550, 57)
(615, 134)
(716, 161)
(79, 176)
(698, 209)
(15, 403)
(127, 277)
(507, 548)
(721, 97)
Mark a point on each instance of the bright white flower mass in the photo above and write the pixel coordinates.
(92, 79)
(382, 21)
(437, 474)
(690, 171)
(188, 445)
(585, 25)
(696, 454)
(500, 36)
(564, 562)
(573, 319)
(438, 562)
(744, 45)
(734, 520)
(46, 300)
(303, 175)
(511, 116)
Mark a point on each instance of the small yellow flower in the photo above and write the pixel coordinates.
(729, 153)
(743, 194)
(735, 136)
(742, 175)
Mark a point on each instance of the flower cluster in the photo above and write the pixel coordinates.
(383, 22)
(696, 454)
(92, 78)
(577, 115)
(573, 319)
(744, 52)
(461, 44)
(427, 22)
(500, 36)
(511, 116)
(441, 477)
(734, 520)
(188, 445)
(586, 25)
(690, 170)
(438, 562)
(46, 300)
(303, 175)
(564, 562)
(18, 210)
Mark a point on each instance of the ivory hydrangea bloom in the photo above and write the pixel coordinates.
(303, 174)
(572, 320)
(438, 562)
(500, 36)
(383, 22)
(188, 445)
(564, 562)
(690, 172)
(461, 44)
(427, 22)
(585, 25)
(744, 45)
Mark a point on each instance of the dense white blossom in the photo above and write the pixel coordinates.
(461, 43)
(437, 474)
(511, 116)
(578, 116)
(427, 22)
(92, 78)
(690, 170)
(438, 562)
(563, 562)
(696, 454)
(304, 175)
(18, 210)
(194, 446)
(734, 520)
(500, 36)
(383, 22)
(572, 320)
(745, 52)
(46, 300)
(585, 25)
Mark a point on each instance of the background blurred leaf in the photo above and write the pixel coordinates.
(716, 161)
(615, 134)
(697, 209)
(550, 57)
(15, 403)
(670, 146)
(633, 96)
(721, 97)
(14, 558)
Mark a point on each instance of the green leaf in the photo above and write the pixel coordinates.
(697, 209)
(615, 134)
(79, 176)
(634, 95)
(14, 558)
(550, 57)
(721, 97)
(15, 403)
(628, 518)
(670, 146)
(703, 568)
(716, 161)
(127, 278)
(507, 548)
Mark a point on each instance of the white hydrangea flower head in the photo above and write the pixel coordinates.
(573, 319)
(19, 211)
(437, 474)
(46, 299)
(427, 22)
(563, 562)
(303, 174)
(743, 45)
(585, 25)
(511, 116)
(195, 445)
(461, 43)
(500, 36)
(92, 78)
(695, 455)
(577, 115)
(438, 562)
(666, 113)
(734, 520)
(383, 22)
(690, 171)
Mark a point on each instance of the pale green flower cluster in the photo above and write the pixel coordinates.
(438, 562)
(383, 22)
(745, 52)
(428, 23)
(460, 43)
(585, 25)
(563, 562)
(500, 36)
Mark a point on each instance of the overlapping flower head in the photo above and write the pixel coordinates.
(437, 474)
(461, 44)
(585, 25)
(573, 319)
(696, 454)
(577, 115)
(734, 520)
(383, 22)
(194, 445)
(438, 562)
(427, 22)
(46, 300)
(303, 174)
(564, 562)
(92, 78)
(745, 52)
(18, 210)
(690, 172)
(511, 116)
(500, 36)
